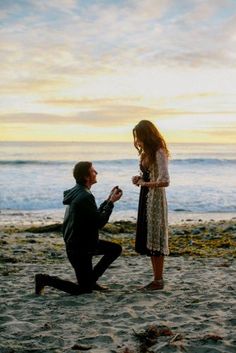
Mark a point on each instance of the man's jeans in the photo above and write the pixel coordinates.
(86, 274)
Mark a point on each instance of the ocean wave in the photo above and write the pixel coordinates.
(203, 160)
(32, 162)
(20, 204)
(61, 162)
(212, 161)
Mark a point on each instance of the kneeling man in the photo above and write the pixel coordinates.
(81, 226)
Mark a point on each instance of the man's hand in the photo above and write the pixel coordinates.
(112, 191)
(115, 194)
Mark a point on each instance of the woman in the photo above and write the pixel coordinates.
(152, 223)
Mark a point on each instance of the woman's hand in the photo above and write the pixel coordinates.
(135, 179)
(141, 182)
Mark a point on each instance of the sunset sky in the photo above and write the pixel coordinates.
(79, 70)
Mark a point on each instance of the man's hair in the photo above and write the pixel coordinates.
(81, 171)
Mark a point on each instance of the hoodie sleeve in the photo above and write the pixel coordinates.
(97, 216)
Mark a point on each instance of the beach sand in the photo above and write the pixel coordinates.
(196, 311)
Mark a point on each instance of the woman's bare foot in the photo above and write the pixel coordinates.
(154, 285)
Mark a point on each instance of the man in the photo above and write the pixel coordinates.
(80, 231)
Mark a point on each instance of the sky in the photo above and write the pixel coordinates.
(84, 70)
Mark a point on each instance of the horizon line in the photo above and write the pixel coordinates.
(110, 142)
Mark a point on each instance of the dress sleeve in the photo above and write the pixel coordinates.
(162, 163)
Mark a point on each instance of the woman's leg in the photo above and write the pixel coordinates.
(157, 265)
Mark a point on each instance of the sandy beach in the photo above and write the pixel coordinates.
(196, 311)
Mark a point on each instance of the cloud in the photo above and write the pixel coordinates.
(113, 62)
(88, 103)
(124, 104)
(118, 115)
(34, 85)
(63, 5)
(222, 134)
(112, 116)
(107, 115)
(113, 35)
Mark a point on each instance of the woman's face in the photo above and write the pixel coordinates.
(140, 143)
(137, 141)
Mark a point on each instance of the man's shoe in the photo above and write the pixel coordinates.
(40, 282)
(100, 288)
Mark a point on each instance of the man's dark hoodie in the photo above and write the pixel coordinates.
(83, 219)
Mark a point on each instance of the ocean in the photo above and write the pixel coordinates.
(35, 174)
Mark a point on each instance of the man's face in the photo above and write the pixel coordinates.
(92, 178)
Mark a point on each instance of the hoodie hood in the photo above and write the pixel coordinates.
(71, 194)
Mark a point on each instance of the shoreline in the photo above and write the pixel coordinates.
(22, 218)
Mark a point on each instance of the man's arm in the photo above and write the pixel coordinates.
(97, 216)
(114, 196)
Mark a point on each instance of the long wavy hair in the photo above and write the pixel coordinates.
(146, 132)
